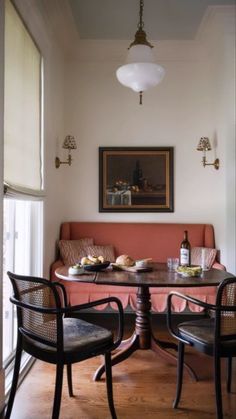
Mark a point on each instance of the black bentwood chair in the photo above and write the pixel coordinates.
(47, 331)
(215, 336)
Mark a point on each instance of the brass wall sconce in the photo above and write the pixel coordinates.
(205, 145)
(69, 144)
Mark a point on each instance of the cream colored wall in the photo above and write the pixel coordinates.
(83, 98)
(101, 112)
(220, 46)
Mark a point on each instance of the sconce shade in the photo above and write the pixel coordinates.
(204, 144)
(69, 143)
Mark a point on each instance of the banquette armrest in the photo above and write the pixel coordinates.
(54, 266)
(217, 265)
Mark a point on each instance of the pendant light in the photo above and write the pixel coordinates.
(141, 72)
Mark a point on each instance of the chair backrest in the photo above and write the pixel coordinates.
(226, 310)
(35, 299)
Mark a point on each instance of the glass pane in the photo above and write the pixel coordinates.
(22, 254)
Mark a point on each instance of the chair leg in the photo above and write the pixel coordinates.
(14, 380)
(58, 390)
(218, 394)
(229, 374)
(69, 380)
(179, 374)
(109, 384)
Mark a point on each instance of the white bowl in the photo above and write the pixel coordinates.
(75, 271)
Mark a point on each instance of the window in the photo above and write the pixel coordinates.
(23, 180)
(22, 253)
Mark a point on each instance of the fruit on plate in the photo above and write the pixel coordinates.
(86, 261)
(76, 266)
(92, 260)
(125, 260)
(190, 270)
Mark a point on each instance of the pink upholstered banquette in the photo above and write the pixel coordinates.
(139, 240)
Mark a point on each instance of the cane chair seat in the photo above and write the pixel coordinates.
(201, 333)
(80, 338)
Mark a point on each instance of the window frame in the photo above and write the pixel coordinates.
(12, 192)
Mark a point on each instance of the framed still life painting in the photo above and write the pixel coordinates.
(136, 179)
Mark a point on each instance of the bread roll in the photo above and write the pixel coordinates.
(125, 260)
(86, 261)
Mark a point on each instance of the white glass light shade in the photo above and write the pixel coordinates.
(140, 54)
(141, 72)
(140, 76)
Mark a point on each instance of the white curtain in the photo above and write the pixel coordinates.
(22, 120)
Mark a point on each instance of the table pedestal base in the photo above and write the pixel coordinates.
(143, 337)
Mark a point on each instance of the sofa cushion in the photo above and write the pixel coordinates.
(72, 251)
(107, 251)
(196, 256)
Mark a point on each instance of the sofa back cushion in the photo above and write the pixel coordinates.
(106, 251)
(71, 251)
(210, 256)
(141, 240)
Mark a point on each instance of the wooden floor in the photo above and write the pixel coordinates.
(144, 388)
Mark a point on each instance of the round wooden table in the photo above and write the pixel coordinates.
(143, 337)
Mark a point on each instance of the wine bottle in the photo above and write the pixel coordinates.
(185, 251)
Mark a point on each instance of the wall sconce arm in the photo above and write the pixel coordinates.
(204, 145)
(69, 144)
(58, 162)
(216, 163)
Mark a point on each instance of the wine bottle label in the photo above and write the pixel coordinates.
(184, 257)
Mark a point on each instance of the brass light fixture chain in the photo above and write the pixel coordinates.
(141, 24)
(140, 36)
(141, 97)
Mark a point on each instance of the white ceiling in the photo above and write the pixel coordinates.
(117, 19)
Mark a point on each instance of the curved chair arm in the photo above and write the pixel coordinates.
(64, 295)
(69, 310)
(38, 309)
(169, 311)
(202, 303)
(192, 300)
